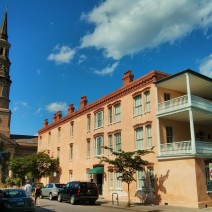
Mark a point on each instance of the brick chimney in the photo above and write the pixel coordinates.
(83, 102)
(45, 123)
(127, 78)
(57, 116)
(71, 109)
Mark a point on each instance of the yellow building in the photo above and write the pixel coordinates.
(173, 113)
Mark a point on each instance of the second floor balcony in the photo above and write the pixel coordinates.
(184, 148)
(182, 102)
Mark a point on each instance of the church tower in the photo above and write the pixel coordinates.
(5, 82)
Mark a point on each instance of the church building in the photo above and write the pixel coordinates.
(10, 145)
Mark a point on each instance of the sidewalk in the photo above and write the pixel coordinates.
(152, 208)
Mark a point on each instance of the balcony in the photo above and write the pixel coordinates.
(182, 102)
(185, 148)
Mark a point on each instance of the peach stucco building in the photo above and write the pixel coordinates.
(173, 113)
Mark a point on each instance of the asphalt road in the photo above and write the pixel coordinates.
(47, 205)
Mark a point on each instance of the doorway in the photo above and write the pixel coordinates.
(99, 182)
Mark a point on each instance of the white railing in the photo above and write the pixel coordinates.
(184, 148)
(182, 102)
(175, 148)
(173, 104)
(201, 103)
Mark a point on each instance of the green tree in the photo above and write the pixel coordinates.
(36, 165)
(43, 165)
(127, 163)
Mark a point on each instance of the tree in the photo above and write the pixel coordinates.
(36, 165)
(44, 165)
(127, 163)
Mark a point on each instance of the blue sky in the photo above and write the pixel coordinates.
(64, 49)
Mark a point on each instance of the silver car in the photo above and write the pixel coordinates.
(51, 190)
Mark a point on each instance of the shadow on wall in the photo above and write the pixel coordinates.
(151, 194)
(159, 186)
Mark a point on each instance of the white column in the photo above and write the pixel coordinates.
(192, 131)
(157, 121)
(191, 120)
(158, 136)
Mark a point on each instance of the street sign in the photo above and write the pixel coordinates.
(210, 171)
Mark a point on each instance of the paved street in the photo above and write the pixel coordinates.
(47, 206)
(107, 206)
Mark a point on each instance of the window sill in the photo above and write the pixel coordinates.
(138, 115)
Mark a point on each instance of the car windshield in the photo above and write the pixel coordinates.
(13, 193)
(59, 185)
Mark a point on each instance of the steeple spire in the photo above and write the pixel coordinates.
(3, 30)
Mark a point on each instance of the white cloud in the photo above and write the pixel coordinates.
(107, 70)
(125, 27)
(62, 54)
(82, 58)
(38, 110)
(38, 71)
(18, 105)
(206, 66)
(57, 106)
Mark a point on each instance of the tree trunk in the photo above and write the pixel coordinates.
(128, 189)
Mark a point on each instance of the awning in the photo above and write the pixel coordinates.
(96, 170)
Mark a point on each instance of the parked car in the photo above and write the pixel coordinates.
(15, 200)
(51, 190)
(34, 186)
(77, 191)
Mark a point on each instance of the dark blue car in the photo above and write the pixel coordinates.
(15, 200)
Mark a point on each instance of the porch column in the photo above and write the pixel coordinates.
(158, 136)
(192, 131)
(191, 120)
(157, 121)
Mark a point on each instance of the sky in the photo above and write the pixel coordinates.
(62, 50)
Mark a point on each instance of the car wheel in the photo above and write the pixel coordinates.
(92, 202)
(59, 198)
(73, 200)
(50, 196)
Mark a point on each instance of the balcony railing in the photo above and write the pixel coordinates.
(185, 148)
(182, 102)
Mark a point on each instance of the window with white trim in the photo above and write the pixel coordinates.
(151, 179)
(110, 144)
(139, 138)
(58, 152)
(117, 137)
(71, 129)
(137, 105)
(141, 180)
(169, 135)
(117, 112)
(118, 180)
(99, 119)
(88, 123)
(149, 135)
(49, 138)
(98, 145)
(110, 177)
(110, 115)
(88, 148)
(71, 152)
(147, 101)
(58, 134)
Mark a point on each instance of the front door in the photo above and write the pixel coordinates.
(99, 182)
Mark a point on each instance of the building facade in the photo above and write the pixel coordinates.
(172, 113)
